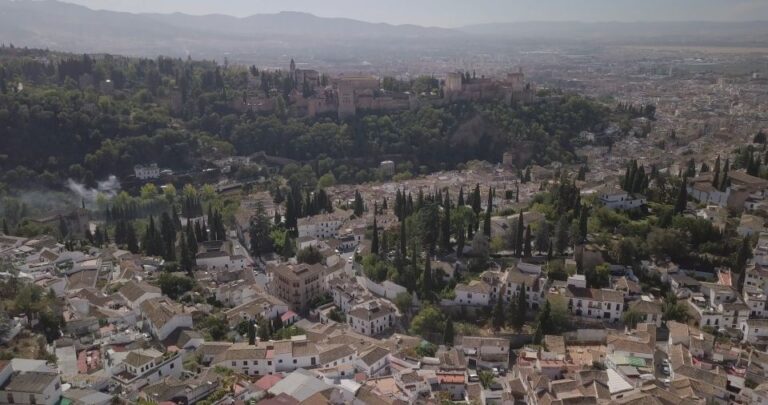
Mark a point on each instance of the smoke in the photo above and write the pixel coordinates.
(108, 187)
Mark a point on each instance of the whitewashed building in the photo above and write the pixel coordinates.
(147, 172)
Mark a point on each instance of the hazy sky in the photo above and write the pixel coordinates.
(450, 13)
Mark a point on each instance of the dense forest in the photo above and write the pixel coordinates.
(84, 117)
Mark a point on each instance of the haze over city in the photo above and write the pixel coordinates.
(456, 13)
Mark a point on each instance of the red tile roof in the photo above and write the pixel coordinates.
(266, 382)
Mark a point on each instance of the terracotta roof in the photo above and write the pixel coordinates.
(138, 358)
(475, 286)
(602, 295)
(134, 290)
(159, 311)
(367, 313)
(336, 352)
(646, 307)
(374, 355)
(30, 381)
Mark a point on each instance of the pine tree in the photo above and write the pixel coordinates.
(460, 202)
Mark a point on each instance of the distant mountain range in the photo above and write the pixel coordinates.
(68, 27)
(679, 32)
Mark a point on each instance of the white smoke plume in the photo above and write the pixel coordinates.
(108, 187)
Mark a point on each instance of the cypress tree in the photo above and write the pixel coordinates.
(131, 241)
(359, 205)
(460, 202)
(460, 240)
(724, 180)
(375, 238)
(184, 258)
(403, 240)
(448, 332)
(521, 308)
(498, 313)
(488, 210)
(190, 239)
(716, 173)
(290, 214)
(519, 235)
(527, 242)
(475, 200)
(544, 324)
(168, 232)
(251, 333)
(682, 197)
(583, 221)
(445, 231)
(740, 264)
(426, 280)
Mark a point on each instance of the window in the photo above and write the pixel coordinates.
(245, 362)
(172, 366)
(269, 363)
(294, 361)
(32, 399)
(234, 364)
